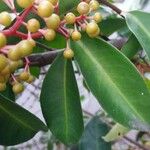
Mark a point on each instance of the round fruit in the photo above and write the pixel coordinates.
(92, 28)
(24, 76)
(68, 54)
(31, 79)
(94, 5)
(97, 17)
(3, 62)
(76, 35)
(54, 2)
(25, 3)
(50, 34)
(3, 40)
(53, 21)
(95, 34)
(45, 8)
(33, 25)
(83, 8)
(14, 54)
(13, 65)
(17, 88)
(6, 70)
(70, 18)
(2, 86)
(25, 47)
(33, 43)
(2, 79)
(5, 18)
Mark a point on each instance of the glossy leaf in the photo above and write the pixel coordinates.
(117, 132)
(9, 93)
(60, 102)
(139, 23)
(67, 5)
(131, 47)
(3, 6)
(111, 25)
(17, 124)
(92, 136)
(35, 71)
(115, 82)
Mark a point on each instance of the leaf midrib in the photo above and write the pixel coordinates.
(65, 100)
(86, 51)
(14, 117)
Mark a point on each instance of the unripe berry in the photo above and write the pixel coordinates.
(45, 8)
(53, 21)
(97, 17)
(17, 88)
(33, 43)
(2, 86)
(25, 3)
(3, 40)
(33, 25)
(5, 18)
(31, 79)
(2, 79)
(6, 70)
(3, 62)
(70, 18)
(94, 5)
(13, 65)
(24, 76)
(91, 28)
(68, 53)
(95, 34)
(25, 47)
(14, 54)
(54, 2)
(83, 8)
(50, 34)
(76, 35)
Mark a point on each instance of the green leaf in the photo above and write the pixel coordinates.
(3, 6)
(17, 124)
(111, 25)
(131, 47)
(35, 71)
(139, 23)
(92, 136)
(9, 93)
(117, 132)
(67, 5)
(60, 102)
(115, 82)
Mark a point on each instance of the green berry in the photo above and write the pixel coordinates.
(3, 40)
(5, 19)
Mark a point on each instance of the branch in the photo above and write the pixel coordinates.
(113, 7)
(43, 59)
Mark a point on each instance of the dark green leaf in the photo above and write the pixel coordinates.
(60, 102)
(35, 71)
(139, 23)
(3, 6)
(9, 93)
(111, 25)
(17, 124)
(67, 5)
(114, 81)
(92, 136)
(131, 47)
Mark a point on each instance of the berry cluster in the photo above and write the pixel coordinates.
(70, 26)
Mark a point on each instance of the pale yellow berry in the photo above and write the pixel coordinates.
(31, 79)
(54, 2)
(14, 54)
(3, 62)
(5, 18)
(97, 17)
(53, 21)
(92, 28)
(18, 88)
(83, 8)
(76, 35)
(70, 18)
(24, 76)
(33, 25)
(3, 40)
(94, 34)
(25, 3)
(50, 34)
(45, 8)
(94, 5)
(68, 54)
